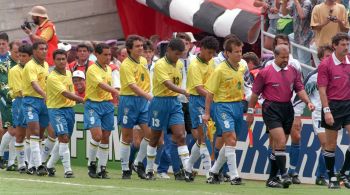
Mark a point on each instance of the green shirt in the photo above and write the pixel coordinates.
(4, 88)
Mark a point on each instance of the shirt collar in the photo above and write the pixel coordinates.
(337, 62)
(277, 68)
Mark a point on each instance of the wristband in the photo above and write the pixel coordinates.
(250, 110)
(326, 109)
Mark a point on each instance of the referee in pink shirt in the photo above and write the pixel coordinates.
(334, 87)
(276, 83)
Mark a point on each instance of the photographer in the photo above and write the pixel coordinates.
(45, 31)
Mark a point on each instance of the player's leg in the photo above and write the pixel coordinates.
(152, 153)
(321, 170)
(345, 170)
(295, 149)
(8, 139)
(127, 138)
(48, 144)
(138, 165)
(329, 157)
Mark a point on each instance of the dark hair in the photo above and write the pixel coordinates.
(147, 45)
(59, 52)
(37, 43)
(339, 37)
(182, 35)
(83, 45)
(210, 42)
(322, 49)
(251, 57)
(100, 47)
(129, 43)
(26, 48)
(233, 41)
(4, 36)
(16, 42)
(176, 44)
(279, 36)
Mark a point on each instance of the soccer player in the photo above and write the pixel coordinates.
(165, 109)
(15, 84)
(333, 84)
(199, 71)
(225, 87)
(276, 83)
(60, 102)
(99, 110)
(35, 110)
(133, 105)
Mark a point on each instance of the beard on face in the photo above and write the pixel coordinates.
(36, 20)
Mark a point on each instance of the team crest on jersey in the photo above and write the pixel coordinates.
(142, 77)
(155, 114)
(126, 111)
(239, 85)
(223, 116)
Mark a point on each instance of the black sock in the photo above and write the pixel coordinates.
(329, 157)
(346, 165)
(273, 166)
(281, 161)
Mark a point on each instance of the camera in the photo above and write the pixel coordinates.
(332, 18)
(27, 25)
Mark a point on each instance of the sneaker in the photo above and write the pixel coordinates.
(321, 181)
(12, 168)
(126, 174)
(334, 183)
(92, 170)
(236, 181)
(51, 171)
(345, 180)
(150, 176)
(213, 178)
(273, 183)
(103, 174)
(227, 178)
(221, 177)
(139, 169)
(69, 174)
(295, 178)
(22, 170)
(31, 171)
(287, 181)
(179, 175)
(41, 171)
(163, 176)
(2, 163)
(188, 176)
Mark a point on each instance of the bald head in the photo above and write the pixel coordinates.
(281, 48)
(281, 55)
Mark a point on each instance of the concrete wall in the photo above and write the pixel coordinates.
(74, 19)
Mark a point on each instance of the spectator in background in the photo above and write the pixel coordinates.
(148, 53)
(327, 20)
(121, 55)
(82, 62)
(79, 83)
(253, 63)
(4, 47)
(301, 12)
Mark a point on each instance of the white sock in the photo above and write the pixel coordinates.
(12, 151)
(142, 151)
(230, 153)
(35, 150)
(20, 154)
(193, 158)
(219, 161)
(124, 155)
(5, 141)
(48, 145)
(27, 150)
(206, 160)
(93, 146)
(151, 156)
(184, 154)
(54, 156)
(102, 154)
(65, 156)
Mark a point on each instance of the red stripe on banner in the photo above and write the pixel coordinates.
(247, 5)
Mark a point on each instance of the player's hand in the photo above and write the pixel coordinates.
(149, 97)
(311, 106)
(250, 120)
(329, 118)
(27, 31)
(205, 118)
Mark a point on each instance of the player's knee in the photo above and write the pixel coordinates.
(63, 139)
(331, 146)
(20, 138)
(295, 136)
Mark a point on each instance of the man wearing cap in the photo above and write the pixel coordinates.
(45, 31)
(79, 83)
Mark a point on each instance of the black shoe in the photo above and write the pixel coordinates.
(103, 174)
(179, 175)
(333, 183)
(150, 176)
(221, 177)
(69, 174)
(31, 171)
(51, 171)
(22, 170)
(213, 178)
(286, 181)
(345, 180)
(2, 163)
(295, 178)
(12, 168)
(92, 170)
(273, 183)
(126, 174)
(41, 171)
(139, 169)
(227, 178)
(188, 176)
(321, 181)
(236, 181)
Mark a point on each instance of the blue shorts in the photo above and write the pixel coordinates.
(35, 110)
(99, 114)
(165, 112)
(228, 117)
(62, 120)
(132, 110)
(197, 108)
(17, 113)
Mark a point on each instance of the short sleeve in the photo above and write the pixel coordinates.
(32, 74)
(258, 84)
(196, 76)
(126, 74)
(213, 82)
(47, 34)
(298, 84)
(161, 74)
(315, 21)
(56, 85)
(322, 78)
(94, 77)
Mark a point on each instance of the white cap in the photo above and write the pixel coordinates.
(79, 73)
(192, 37)
(64, 46)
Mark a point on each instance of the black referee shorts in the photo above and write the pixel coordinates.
(278, 114)
(341, 115)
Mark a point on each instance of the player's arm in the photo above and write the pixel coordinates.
(38, 89)
(170, 85)
(108, 88)
(72, 96)
(208, 100)
(201, 90)
(305, 98)
(139, 91)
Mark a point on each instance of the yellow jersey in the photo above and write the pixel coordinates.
(34, 71)
(94, 76)
(56, 84)
(227, 84)
(164, 70)
(15, 81)
(133, 72)
(198, 74)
